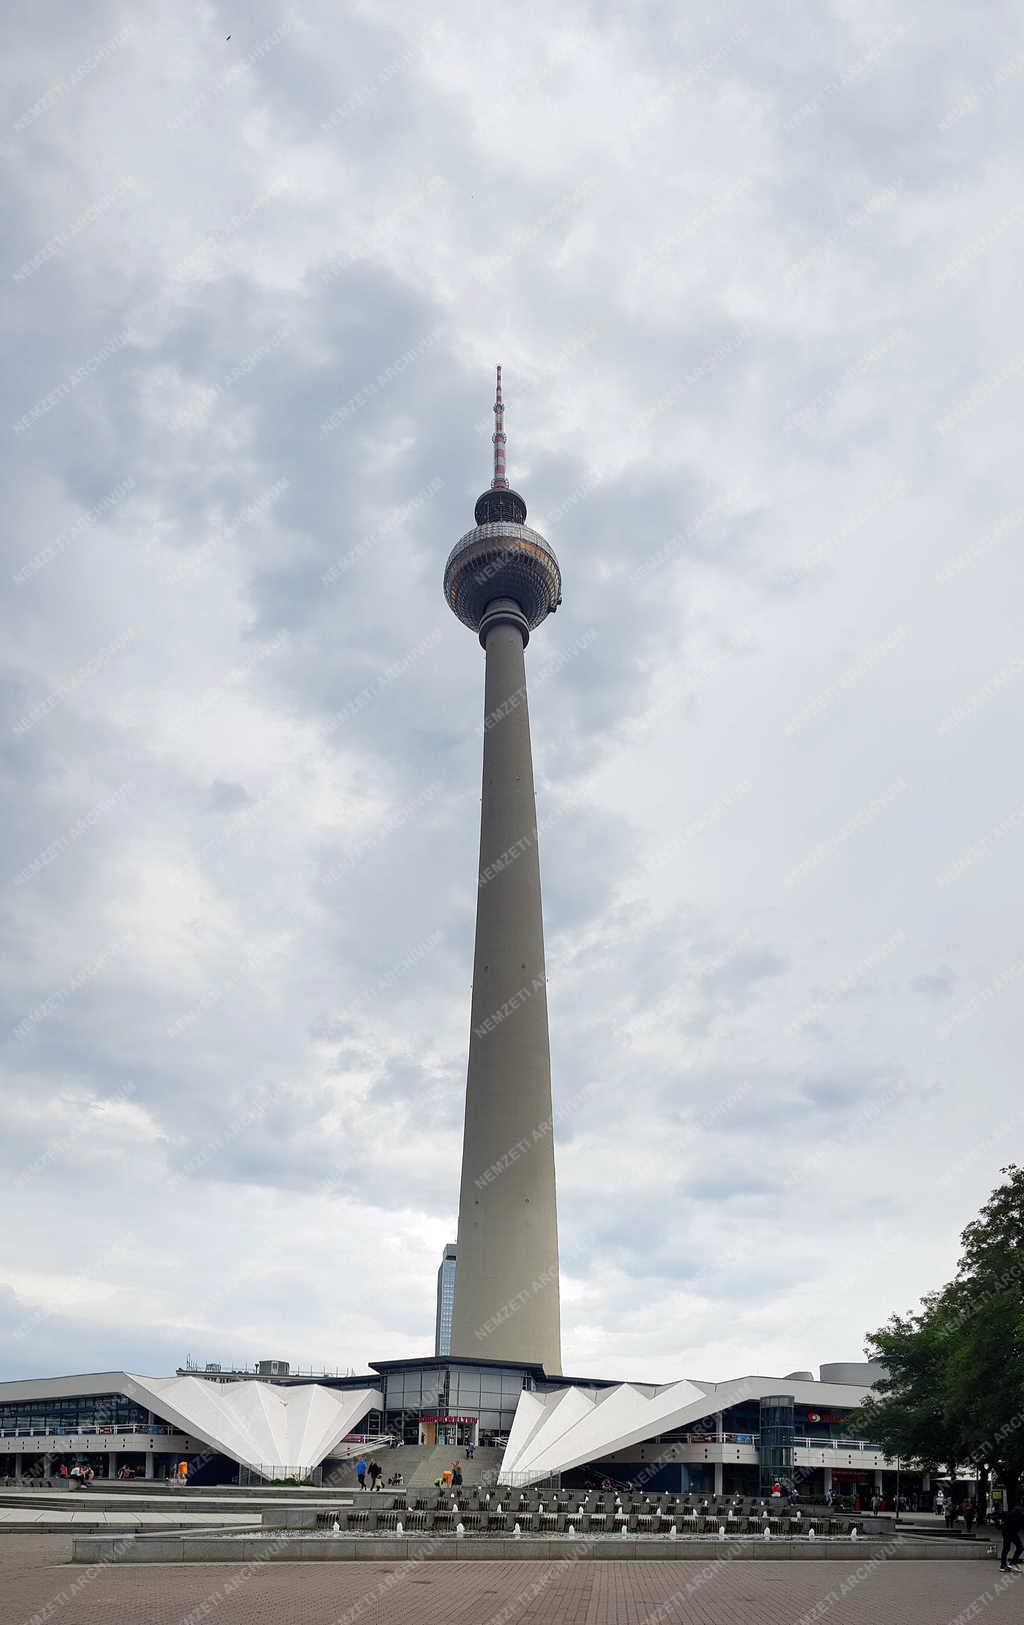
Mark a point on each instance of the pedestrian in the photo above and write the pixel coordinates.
(456, 1476)
(361, 1473)
(374, 1471)
(1013, 1523)
(970, 1513)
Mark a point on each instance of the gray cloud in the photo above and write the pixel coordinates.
(247, 415)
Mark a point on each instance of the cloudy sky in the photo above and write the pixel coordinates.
(751, 274)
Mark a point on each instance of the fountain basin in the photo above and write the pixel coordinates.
(287, 1546)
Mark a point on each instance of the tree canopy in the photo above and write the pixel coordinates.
(953, 1395)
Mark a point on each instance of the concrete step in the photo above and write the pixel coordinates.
(420, 1465)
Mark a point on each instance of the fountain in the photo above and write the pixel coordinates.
(460, 1530)
(399, 1529)
(336, 1527)
(572, 1529)
(853, 1532)
(767, 1533)
(810, 1532)
(721, 1531)
(517, 1533)
(673, 1532)
(625, 1529)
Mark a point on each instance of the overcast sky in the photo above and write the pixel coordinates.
(754, 278)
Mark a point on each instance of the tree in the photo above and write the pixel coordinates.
(908, 1413)
(954, 1387)
(985, 1377)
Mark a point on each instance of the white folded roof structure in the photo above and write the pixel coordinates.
(260, 1424)
(570, 1427)
(263, 1425)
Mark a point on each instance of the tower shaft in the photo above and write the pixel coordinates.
(506, 1287)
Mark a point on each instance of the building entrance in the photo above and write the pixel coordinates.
(450, 1431)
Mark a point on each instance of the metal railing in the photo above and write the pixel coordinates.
(826, 1442)
(109, 1430)
(808, 1442)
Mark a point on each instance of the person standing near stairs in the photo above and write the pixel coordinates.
(361, 1472)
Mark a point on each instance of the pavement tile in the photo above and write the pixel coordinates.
(37, 1579)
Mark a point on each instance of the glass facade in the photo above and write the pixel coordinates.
(775, 1427)
(445, 1301)
(93, 1413)
(487, 1393)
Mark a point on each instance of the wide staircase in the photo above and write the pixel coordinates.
(420, 1465)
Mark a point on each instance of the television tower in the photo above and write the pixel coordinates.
(502, 580)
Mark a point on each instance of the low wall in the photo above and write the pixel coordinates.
(214, 1548)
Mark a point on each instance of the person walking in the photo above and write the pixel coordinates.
(361, 1472)
(940, 1502)
(1013, 1523)
(374, 1471)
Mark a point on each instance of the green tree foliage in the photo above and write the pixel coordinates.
(954, 1394)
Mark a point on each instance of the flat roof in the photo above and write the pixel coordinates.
(458, 1359)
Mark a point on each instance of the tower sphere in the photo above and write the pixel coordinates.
(501, 558)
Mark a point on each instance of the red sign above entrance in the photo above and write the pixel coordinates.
(431, 1416)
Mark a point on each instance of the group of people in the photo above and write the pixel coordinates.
(82, 1475)
(450, 1478)
(371, 1470)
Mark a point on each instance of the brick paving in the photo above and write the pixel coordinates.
(39, 1586)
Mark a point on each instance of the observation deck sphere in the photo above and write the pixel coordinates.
(502, 560)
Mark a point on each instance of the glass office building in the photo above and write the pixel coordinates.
(445, 1301)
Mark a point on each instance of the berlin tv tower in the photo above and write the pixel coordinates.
(502, 580)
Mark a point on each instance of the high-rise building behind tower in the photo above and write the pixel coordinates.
(445, 1300)
(502, 580)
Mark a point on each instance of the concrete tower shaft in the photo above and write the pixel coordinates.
(502, 580)
(506, 1289)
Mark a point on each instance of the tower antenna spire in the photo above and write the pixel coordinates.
(499, 482)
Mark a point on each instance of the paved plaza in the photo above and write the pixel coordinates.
(39, 1586)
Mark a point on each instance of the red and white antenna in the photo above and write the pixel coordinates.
(499, 482)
